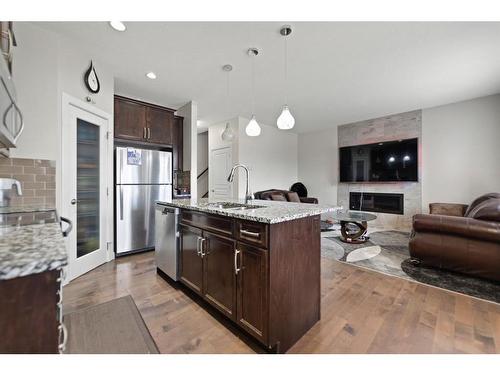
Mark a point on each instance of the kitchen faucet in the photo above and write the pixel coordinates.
(248, 194)
(5, 187)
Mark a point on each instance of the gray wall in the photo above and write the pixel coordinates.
(460, 155)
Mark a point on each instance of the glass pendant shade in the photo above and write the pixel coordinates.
(227, 134)
(286, 120)
(253, 128)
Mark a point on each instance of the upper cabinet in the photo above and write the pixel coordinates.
(130, 120)
(159, 125)
(7, 42)
(138, 121)
(11, 116)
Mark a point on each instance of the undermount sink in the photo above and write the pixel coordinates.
(233, 206)
(247, 207)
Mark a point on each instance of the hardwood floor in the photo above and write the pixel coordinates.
(362, 311)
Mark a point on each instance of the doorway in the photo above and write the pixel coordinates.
(220, 167)
(85, 184)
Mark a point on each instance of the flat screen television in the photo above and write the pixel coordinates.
(380, 162)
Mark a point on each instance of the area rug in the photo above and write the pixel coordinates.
(114, 327)
(387, 252)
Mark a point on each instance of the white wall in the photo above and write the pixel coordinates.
(35, 68)
(270, 157)
(318, 164)
(46, 65)
(460, 154)
(461, 151)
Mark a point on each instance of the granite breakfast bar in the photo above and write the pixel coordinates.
(257, 264)
(32, 254)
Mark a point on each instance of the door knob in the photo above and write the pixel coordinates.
(74, 201)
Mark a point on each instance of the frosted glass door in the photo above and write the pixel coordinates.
(87, 188)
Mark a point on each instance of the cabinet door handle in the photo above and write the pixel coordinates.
(203, 253)
(236, 269)
(144, 133)
(149, 133)
(248, 233)
(12, 104)
(198, 249)
(64, 331)
(10, 42)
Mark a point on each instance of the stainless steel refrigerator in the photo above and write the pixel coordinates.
(142, 178)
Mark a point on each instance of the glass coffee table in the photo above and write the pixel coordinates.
(352, 219)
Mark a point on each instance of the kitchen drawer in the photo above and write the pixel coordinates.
(252, 233)
(213, 223)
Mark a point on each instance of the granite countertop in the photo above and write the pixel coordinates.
(273, 212)
(30, 249)
(25, 209)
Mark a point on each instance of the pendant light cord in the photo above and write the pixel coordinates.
(227, 92)
(253, 84)
(286, 71)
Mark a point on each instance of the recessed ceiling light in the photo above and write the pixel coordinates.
(117, 25)
(151, 75)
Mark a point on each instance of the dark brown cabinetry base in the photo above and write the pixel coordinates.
(264, 278)
(29, 314)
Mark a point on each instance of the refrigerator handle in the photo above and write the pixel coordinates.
(121, 202)
(121, 167)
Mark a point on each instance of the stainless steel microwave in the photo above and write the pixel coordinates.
(11, 117)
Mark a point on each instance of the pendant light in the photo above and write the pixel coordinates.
(228, 134)
(253, 127)
(285, 120)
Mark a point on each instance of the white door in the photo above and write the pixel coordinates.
(220, 167)
(84, 182)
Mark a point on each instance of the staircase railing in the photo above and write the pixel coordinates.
(199, 176)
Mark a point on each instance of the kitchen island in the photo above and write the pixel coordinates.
(258, 264)
(32, 255)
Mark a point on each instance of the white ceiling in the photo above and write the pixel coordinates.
(338, 72)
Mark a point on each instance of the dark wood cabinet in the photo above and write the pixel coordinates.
(130, 120)
(252, 300)
(264, 277)
(219, 276)
(142, 122)
(191, 269)
(159, 125)
(29, 314)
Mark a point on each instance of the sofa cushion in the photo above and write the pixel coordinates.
(488, 210)
(449, 209)
(278, 197)
(293, 197)
(480, 200)
(459, 226)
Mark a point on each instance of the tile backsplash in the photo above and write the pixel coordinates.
(37, 178)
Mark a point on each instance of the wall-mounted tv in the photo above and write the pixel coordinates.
(380, 162)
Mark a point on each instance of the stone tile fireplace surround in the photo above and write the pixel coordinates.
(399, 126)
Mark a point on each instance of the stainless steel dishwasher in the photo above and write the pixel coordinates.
(167, 240)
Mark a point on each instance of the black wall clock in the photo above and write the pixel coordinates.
(91, 80)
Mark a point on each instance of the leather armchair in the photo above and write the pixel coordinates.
(468, 244)
(283, 195)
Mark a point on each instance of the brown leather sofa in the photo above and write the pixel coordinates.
(283, 195)
(460, 238)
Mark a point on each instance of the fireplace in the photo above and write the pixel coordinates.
(389, 203)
